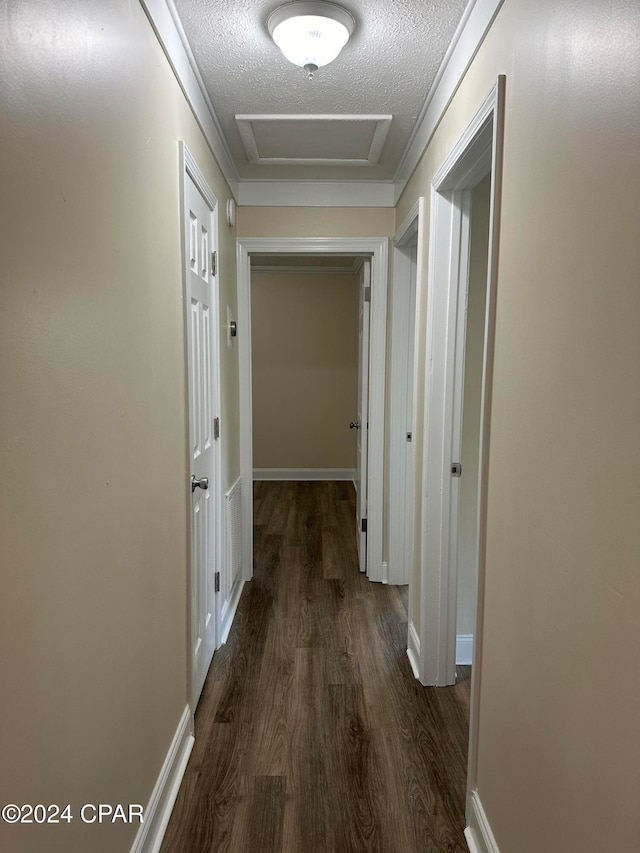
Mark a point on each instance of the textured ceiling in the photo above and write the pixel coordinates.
(387, 68)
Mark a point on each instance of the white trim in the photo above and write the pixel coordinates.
(230, 605)
(466, 41)
(478, 834)
(470, 158)
(438, 579)
(243, 266)
(377, 248)
(472, 29)
(485, 430)
(406, 278)
(454, 388)
(166, 24)
(448, 277)
(260, 193)
(247, 134)
(413, 649)
(464, 649)
(304, 474)
(410, 226)
(163, 797)
(190, 166)
(230, 611)
(377, 383)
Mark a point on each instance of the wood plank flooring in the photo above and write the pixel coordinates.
(312, 735)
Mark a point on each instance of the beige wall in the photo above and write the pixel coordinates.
(315, 222)
(92, 424)
(304, 340)
(93, 501)
(558, 746)
(474, 352)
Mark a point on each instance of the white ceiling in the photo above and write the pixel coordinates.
(385, 72)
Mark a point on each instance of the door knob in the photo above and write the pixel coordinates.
(199, 484)
(353, 425)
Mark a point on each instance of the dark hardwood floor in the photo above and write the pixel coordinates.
(312, 734)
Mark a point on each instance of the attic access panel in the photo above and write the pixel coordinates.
(314, 139)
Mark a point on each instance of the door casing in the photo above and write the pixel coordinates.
(360, 480)
(407, 294)
(377, 249)
(477, 152)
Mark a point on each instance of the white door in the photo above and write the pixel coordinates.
(362, 423)
(200, 318)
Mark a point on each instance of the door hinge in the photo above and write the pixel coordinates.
(456, 469)
(364, 525)
(216, 428)
(214, 263)
(367, 294)
(217, 581)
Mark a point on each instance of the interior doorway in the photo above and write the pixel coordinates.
(469, 398)
(476, 155)
(376, 253)
(407, 289)
(310, 339)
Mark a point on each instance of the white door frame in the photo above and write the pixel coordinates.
(477, 152)
(188, 166)
(377, 248)
(401, 493)
(362, 437)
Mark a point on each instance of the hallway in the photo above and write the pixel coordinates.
(312, 733)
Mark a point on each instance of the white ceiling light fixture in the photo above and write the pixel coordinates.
(310, 34)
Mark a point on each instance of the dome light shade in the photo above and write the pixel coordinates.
(310, 34)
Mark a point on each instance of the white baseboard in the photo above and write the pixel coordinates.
(478, 833)
(165, 791)
(464, 649)
(303, 474)
(413, 650)
(230, 611)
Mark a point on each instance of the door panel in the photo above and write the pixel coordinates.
(202, 457)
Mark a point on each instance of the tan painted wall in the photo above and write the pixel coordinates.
(474, 351)
(93, 501)
(315, 222)
(304, 341)
(558, 746)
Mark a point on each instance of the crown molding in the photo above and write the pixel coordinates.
(469, 35)
(466, 41)
(166, 24)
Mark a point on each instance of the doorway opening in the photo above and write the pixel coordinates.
(310, 373)
(369, 460)
(459, 356)
(407, 291)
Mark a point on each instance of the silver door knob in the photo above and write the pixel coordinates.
(353, 425)
(199, 484)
